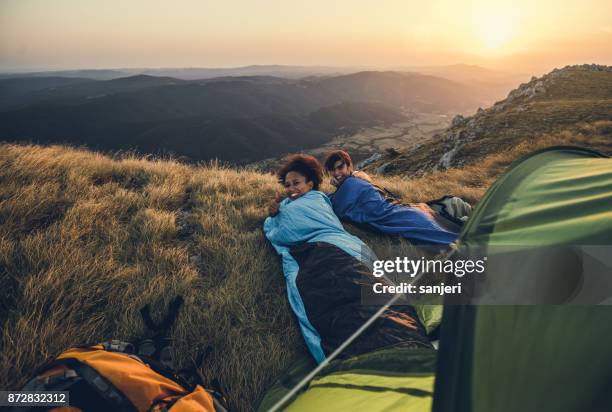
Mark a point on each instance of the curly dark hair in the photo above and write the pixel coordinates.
(304, 164)
(333, 157)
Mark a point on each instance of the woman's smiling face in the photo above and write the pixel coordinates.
(296, 184)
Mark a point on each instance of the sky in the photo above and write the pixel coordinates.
(527, 35)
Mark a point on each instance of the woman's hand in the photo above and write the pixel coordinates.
(275, 204)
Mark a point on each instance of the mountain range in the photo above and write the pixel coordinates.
(238, 119)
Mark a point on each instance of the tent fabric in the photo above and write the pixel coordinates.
(348, 391)
(387, 379)
(555, 196)
(430, 316)
(360, 202)
(298, 368)
(544, 357)
(325, 282)
(528, 358)
(534, 223)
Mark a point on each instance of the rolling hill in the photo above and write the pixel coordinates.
(194, 73)
(572, 105)
(24, 92)
(254, 117)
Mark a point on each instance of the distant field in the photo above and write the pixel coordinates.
(418, 129)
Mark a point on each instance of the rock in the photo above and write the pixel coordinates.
(369, 160)
(457, 120)
(381, 169)
(392, 151)
(527, 90)
(446, 159)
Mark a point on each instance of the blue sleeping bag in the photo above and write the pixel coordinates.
(326, 270)
(360, 202)
(309, 218)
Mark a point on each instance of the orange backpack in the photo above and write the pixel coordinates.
(106, 377)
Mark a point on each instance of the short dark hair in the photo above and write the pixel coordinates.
(333, 157)
(305, 165)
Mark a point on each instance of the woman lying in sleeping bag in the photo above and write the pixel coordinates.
(325, 268)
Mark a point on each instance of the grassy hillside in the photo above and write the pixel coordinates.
(86, 241)
(567, 106)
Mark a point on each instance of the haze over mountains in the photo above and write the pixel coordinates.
(458, 72)
(239, 119)
(196, 73)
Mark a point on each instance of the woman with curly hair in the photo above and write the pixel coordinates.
(326, 268)
(299, 175)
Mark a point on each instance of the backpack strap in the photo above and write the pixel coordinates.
(89, 390)
(114, 398)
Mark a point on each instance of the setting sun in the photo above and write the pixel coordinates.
(496, 32)
(495, 28)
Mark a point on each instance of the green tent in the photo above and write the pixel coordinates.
(532, 337)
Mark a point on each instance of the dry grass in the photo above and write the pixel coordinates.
(86, 241)
(470, 182)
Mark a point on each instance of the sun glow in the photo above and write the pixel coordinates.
(382, 33)
(496, 33)
(495, 29)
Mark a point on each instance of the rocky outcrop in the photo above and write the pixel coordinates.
(527, 111)
(457, 121)
(456, 137)
(465, 129)
(538, 86)
(380, 170)
(368, 161)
